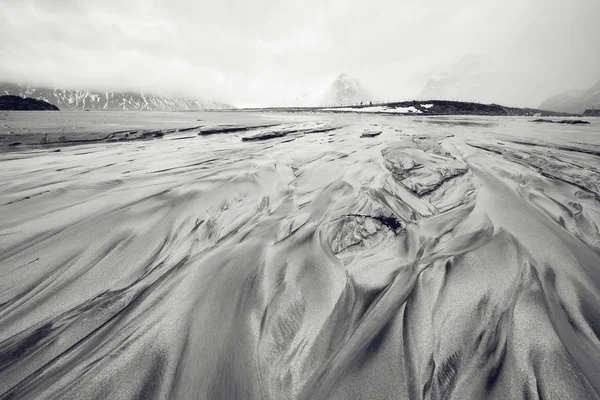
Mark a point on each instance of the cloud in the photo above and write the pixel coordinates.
(270, 52)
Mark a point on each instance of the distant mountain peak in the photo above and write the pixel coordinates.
(345, 79)
(345, 90)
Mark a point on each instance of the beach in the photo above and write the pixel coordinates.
(241, 255)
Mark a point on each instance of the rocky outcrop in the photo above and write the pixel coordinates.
(17, 103)
(564, 121)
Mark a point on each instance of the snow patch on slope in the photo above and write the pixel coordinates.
(379, 109)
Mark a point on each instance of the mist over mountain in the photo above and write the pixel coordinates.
(80, 100)
(485, 79)
(459, 82)
(308, 99)
(574, 101)
(346, 90)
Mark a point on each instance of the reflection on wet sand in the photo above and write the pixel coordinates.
(430, 261)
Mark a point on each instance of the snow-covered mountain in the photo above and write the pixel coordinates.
(344, 91)
(575, 101)
(67, 99)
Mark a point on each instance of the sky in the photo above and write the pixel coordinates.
(264, 52)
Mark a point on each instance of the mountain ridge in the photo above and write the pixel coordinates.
(93, 100)
(574, 101)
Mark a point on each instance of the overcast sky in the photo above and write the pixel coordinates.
(271, 52)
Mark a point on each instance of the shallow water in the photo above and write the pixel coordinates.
(210, 267)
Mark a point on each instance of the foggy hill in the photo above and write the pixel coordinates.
(575, 101)
(68, 99)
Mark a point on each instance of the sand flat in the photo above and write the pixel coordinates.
(449, 257)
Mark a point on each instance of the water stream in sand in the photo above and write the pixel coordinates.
(207, 267)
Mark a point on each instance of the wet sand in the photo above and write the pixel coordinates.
(447, 257)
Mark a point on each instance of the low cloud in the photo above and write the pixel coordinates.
(269, 53)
